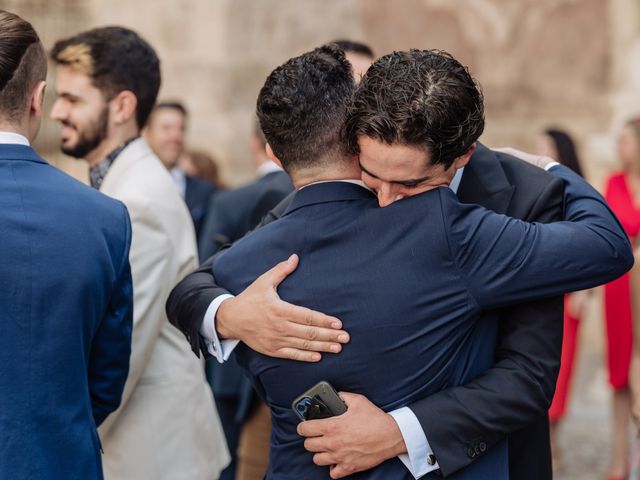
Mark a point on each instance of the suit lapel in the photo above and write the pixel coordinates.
(134, 151)
(485, 183)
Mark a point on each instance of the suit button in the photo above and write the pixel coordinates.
(483, 447)
(471, 452)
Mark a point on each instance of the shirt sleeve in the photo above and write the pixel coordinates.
(419, 458)
(220, 349)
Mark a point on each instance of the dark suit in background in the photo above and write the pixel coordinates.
(198, 195)
(231, 214)
(65, 318)
(420, 271)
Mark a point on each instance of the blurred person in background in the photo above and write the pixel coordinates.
(622, 192)
(245, 419)
(558, 145)
(634, 372)
(165, 132)
(66, 302)
(202, 165)
(359, 55)
(107, 80)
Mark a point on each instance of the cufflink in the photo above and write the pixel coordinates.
(431, 460)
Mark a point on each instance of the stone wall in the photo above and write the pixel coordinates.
(570, 63)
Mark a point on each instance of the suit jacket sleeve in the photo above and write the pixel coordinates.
(111, 346)
(190, 298)
(217, 228)
(505, 261)
(518, 389)
(152, 262)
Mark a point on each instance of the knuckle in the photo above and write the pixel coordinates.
(306, 345)
(312, 333)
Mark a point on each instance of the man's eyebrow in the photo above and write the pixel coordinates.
(68, 96)
(410, 182)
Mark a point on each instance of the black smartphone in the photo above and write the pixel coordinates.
(320, 401)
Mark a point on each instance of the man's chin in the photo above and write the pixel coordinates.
(73, 151)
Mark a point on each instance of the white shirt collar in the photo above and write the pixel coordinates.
(267, 168)
(13, 138)
(180, 180)
(455, 181)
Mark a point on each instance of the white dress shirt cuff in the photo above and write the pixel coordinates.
(419, 451)
(220, 349)
(551, 165)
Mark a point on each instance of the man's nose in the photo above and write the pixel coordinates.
(387, 194)
(57, 111)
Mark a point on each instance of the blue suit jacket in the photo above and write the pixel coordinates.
(231, 215)
(65, 318)
(409, 282)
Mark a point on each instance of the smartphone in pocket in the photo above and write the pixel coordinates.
(320, 401)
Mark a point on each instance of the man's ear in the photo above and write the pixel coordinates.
(272, 156)
(36, 106)
(123, 107)
(462, 160)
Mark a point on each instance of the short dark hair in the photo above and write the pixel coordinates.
(116, 59)
(302, 107)
(350, 46)
(422, 98)
(566, 148)
(23, 64)
(176, 106)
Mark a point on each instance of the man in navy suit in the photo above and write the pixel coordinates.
(66, 296)
(409, 280)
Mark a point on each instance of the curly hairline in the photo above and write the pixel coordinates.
(399, 102)
(302, 106)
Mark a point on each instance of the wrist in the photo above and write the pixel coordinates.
(224, 321)
(396, 445)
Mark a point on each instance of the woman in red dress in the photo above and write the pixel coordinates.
(623, 196)
(558, 145)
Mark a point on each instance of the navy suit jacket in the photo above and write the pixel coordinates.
(409, 282)
(65, 318)
(198, 194)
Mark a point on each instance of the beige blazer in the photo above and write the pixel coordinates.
(167, 426)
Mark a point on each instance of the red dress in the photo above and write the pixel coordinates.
(569, 342)
(617, 297)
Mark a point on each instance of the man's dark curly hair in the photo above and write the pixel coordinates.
(423, 98)
(302, 108)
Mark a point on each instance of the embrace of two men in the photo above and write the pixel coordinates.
(430, 289)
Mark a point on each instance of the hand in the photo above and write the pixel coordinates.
(359, 439)
(537, 160)
(276, 328)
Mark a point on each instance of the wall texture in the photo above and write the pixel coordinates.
(570, 63)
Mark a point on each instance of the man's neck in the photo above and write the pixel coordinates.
(346, 171)
(10, 128)
(109, 144)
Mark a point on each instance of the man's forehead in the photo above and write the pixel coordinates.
(74, 82)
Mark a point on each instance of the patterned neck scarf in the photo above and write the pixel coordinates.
(98, 172)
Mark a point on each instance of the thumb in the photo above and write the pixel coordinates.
(349, 398)
(277, 274)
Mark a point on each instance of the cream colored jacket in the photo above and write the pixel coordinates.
(167, 426)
